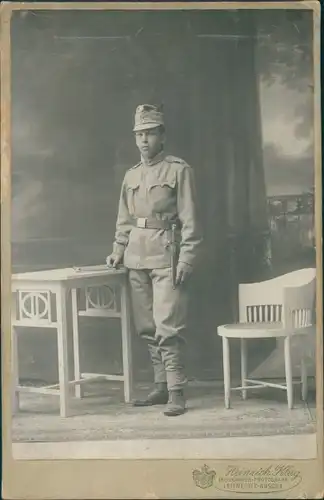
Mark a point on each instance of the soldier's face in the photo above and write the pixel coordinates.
(149, 142)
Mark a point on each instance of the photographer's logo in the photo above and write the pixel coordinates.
(273, 478)
(235, 479)
(204, 477)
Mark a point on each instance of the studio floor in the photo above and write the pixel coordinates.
(101, 415)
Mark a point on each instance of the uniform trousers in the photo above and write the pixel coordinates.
(160, 315)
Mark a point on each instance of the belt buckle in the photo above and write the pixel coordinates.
(141, 222)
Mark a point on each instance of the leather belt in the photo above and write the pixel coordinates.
(151, 223)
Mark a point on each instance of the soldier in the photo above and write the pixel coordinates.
(157, 238)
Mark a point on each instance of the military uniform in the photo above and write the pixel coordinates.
(155, 194)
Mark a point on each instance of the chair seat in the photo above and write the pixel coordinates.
(259, 330)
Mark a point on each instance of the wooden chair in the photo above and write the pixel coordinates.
(277, 308)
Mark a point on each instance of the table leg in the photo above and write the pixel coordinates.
(227, 372)
(126, 342)
(288, 371)
(15, 370)
(62, 351)
(76, 345)
(243, 367)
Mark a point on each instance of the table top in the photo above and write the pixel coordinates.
(68, 273)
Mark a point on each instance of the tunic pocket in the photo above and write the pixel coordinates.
(162, 194)
(132, 191)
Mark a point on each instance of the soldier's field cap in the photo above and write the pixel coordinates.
(148, 116)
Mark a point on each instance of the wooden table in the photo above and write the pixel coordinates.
(40, 300)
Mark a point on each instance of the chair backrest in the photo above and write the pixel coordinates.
(299, 305)
(264, 301)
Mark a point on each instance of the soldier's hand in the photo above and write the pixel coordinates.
(113, 260)
(184, 270)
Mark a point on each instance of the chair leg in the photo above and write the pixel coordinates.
(227, 372)
(243, 367)
(304, 381)
(15, 372)
(288, 372)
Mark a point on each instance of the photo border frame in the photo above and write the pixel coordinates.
(141, 478)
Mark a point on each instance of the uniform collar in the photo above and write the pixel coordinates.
(159, 157)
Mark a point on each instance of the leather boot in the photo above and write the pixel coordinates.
(176, 404)
(159, 396)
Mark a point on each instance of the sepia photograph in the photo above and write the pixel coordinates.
(164, 268)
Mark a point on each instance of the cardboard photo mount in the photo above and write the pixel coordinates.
(140, 478)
